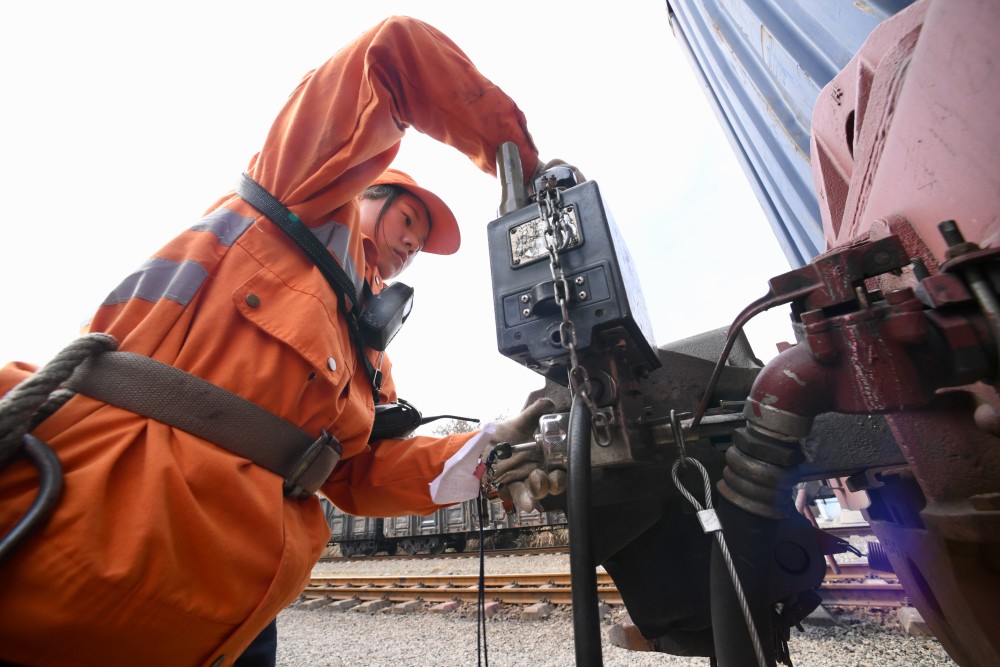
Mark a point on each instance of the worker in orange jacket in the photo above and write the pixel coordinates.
(166, 549)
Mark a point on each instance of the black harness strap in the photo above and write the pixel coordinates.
(257, 196)
(262, 200)
(174, 397)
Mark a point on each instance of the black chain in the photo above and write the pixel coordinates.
(557, 238)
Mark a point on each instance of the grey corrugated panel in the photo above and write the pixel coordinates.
(763, 64)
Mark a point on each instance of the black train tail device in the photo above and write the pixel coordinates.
(605, 301)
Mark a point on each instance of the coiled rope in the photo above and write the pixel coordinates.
(26, 406)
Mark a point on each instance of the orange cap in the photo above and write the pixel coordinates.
(444, 237)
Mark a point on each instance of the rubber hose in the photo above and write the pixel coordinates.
(751, 540)
(50, 483)
(583, 572)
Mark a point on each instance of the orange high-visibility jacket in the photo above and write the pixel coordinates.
(166, 549)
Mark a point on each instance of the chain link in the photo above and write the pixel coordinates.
(557, 238)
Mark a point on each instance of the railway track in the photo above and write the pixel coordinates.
(854, 586)
(846, 530)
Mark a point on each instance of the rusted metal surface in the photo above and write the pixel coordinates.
(925, 128)
(878, 594)
(898, 317)
(882, 356)
(901, 316)
(909, 138)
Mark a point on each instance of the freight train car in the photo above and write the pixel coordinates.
(453, 527)
(870, 131)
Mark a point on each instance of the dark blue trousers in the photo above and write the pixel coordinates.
(263, 650)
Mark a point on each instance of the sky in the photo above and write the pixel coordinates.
(123, 121)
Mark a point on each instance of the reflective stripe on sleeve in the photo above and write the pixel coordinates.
(225, 224)
(160, 279)
(178, 281)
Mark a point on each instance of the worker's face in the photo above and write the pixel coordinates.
(401, 233)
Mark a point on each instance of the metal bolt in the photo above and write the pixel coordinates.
(951, 233)
(920, 271)
(524, 298)
(580, 280)
(582, 296)
(526, 312)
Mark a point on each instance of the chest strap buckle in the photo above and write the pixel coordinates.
(313, 466)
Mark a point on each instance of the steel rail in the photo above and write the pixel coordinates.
(857, 570)
(561, 595)
(555, 588)
(868, 594)
(457, 580)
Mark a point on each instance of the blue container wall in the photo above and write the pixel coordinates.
(763, 64)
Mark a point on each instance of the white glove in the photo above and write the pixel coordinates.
(521, 479)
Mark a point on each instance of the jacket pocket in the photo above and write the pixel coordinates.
(309, 323)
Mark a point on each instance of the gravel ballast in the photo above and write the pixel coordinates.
(325, 638)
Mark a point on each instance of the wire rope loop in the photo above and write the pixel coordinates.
(707, 488)
(723, 548)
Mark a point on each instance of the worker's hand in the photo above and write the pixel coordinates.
(522, 428)
(521, 479)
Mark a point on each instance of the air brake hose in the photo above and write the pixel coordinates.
(749, 536)
(586, 617)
